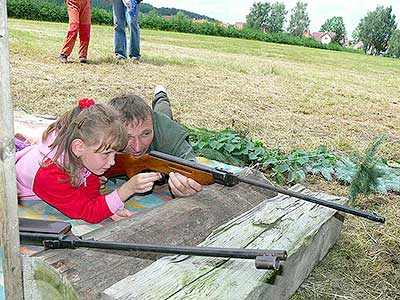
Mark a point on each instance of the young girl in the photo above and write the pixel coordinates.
(64, 168)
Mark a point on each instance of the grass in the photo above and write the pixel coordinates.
(286, 96)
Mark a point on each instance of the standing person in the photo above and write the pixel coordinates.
(155, 130)
(79, 22)
(64, 169)
(126, 12)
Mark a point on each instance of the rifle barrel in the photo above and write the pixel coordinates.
(337, 206)
(55, 241)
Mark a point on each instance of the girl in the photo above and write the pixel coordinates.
(64, 168)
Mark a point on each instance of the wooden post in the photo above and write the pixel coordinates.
(9, 237)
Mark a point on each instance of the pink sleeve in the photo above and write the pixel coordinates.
(114, 201)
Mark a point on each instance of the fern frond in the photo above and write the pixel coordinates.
(365, 179)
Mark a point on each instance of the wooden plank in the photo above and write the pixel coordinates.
(306, 230)
(9, 238)
(184, 221)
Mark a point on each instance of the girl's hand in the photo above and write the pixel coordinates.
(140, 183)
(121, 214)
(103, 181)
(182, 186)
(27, 139)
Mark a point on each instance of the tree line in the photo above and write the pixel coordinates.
(265, 22)
(377, 30)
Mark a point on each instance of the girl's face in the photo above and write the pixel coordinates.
(96, 162)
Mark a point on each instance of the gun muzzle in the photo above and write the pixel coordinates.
(267, 262)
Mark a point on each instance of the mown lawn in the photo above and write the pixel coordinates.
(289, 97)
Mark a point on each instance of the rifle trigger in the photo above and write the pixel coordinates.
(225, 177)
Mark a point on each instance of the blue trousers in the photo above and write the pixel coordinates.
(122, 17)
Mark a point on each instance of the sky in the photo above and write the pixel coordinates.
(231, 11)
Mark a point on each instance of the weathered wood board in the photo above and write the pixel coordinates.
(305, 230)
(230, 217)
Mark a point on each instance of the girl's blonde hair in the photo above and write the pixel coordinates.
(97, 125)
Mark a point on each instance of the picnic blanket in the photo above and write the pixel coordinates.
(33, 126)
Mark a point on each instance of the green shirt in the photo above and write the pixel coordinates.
(170, 138)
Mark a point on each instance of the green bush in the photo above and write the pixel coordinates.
(40, 10)
(101, 16)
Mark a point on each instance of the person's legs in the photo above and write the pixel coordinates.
(84, 30)
(161, 103)
(119, 16)
(73, 28)
(134, 35)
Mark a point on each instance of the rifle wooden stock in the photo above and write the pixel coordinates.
(127, 165)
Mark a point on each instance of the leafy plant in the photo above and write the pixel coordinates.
(364, 175)
(237, 149)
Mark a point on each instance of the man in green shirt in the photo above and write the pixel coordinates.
(156, 130)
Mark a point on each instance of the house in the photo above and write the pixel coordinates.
(345, 41)
(200, 21)
(307, 34)
(323, 37)
(239, 25)
(358, 45)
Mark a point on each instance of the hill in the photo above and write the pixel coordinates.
(145, 8)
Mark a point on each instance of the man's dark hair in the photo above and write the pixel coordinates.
(131, 108)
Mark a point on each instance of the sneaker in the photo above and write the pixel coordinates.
(135, 60)
(83, 59)
(159, 89)
(119, 57)
(63, 58)
(160, 94)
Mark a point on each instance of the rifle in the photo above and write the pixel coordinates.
(156, 161)
(50, 236)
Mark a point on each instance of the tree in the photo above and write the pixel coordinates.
(257, 18)
(277, 17)
(336, 25)
(375, 30)
(394, 44)
(299, 20)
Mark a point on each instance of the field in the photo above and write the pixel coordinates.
(289, 97)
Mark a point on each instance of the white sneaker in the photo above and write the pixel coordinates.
(159, 89)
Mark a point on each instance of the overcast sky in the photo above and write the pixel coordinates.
(231, 11)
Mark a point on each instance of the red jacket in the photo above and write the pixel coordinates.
(84, 202)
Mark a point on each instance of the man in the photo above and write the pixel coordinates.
(155, 130)
(126, 12)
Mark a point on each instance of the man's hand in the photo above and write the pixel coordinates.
(182, 186)
(121, 214)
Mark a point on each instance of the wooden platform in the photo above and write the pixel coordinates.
(242, 216)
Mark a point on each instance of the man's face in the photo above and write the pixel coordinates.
(140, 137)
